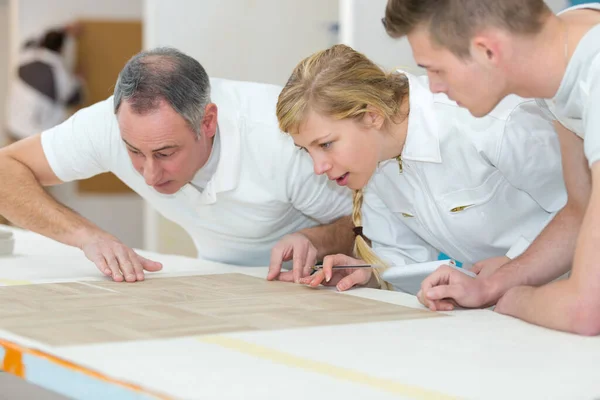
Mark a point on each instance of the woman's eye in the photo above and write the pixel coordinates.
(326, 145)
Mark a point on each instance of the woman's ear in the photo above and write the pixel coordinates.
(373, 119)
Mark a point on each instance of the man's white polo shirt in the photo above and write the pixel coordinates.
(263, 187)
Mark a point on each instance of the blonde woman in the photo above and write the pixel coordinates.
(427, 176)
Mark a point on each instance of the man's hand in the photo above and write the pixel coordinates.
(118, 261)
(342, 279)
(447, 288)
(487, 267)
(296, 247)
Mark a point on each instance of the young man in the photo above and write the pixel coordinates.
(207, 154)
(477, 52)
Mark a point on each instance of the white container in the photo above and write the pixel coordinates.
(408, 278)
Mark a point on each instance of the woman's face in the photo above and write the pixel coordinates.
(346, 150)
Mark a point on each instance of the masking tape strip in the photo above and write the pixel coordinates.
(11, 282)
(322, 368)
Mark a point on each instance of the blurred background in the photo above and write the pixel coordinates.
(256, 40)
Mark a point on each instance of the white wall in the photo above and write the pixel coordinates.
(361, 28)
(121, 215)
(258, 40)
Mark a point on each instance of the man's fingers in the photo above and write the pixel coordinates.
(440, 276)
(138, 268)
(126, 266)
(442, 305)
(476, 268)
(113, 264)
(149, 265)
(102, 265)
(422, 299)
(451, 291)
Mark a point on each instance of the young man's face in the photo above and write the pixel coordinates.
(474, 83)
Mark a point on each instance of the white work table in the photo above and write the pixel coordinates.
(470, 354)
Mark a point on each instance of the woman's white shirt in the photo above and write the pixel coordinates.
(472, 188)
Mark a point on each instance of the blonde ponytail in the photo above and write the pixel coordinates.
(362, 249)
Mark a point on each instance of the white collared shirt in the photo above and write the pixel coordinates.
(472, 188)
(206, 172)
(263, 187)
(576, 102)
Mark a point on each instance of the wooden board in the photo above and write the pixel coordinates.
(77, 313)
(102, 50)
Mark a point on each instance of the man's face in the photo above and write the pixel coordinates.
(162, 146)
(475, 83)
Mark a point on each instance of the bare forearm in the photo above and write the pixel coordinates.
(334, 238)
(557, 305)
(548, 257)
(27, 205)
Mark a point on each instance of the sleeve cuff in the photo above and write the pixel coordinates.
(518, 248)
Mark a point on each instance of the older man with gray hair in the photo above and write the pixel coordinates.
(206, 153)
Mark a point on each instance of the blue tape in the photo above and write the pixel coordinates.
(443, 256)
(74, 384)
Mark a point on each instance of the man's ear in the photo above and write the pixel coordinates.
(209, 121)
(486, 47)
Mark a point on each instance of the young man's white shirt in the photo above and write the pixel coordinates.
(577, 101)
(472, 188)
(263, 187)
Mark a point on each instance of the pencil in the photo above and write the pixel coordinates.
(319, 267)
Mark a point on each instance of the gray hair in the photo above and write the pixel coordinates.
(165, 74)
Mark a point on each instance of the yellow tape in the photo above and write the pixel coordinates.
(10, 282)
(333, 371)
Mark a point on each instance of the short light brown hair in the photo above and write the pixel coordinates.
(453, 23)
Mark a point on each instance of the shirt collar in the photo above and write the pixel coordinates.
(227, 174)
(422, 138)
(205, 174)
